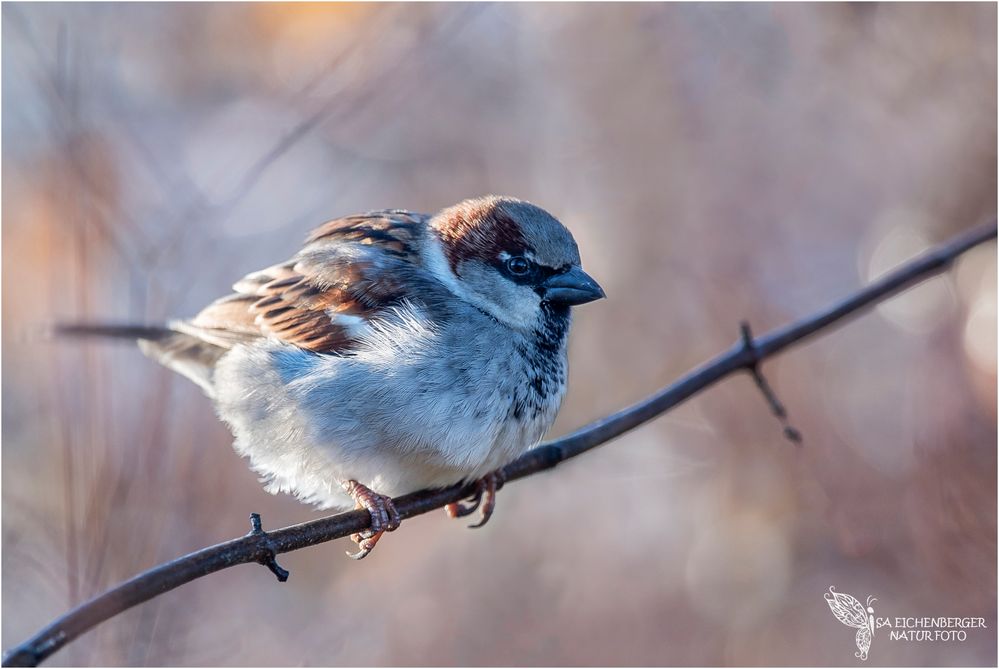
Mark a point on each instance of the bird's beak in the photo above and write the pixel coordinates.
(572, 288)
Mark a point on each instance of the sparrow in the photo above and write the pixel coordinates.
(396, 351)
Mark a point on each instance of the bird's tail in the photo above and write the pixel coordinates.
(112, 331)
(182, 352)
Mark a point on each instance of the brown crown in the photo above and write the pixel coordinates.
(478, 230)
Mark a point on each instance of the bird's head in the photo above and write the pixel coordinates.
(511, 259)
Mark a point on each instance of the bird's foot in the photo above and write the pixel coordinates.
(485, 497)
(384, 517)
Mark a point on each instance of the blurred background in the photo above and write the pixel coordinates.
(715, 162)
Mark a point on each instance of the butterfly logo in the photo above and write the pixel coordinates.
(852, 613)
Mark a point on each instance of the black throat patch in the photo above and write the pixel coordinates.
(544, 355)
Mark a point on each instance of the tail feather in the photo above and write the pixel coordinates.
(112, 331)
(184, 353)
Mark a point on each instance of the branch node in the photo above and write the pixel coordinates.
(753, 365)
(268, 557)
(748, 345)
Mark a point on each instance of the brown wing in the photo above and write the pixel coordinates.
(350, 269)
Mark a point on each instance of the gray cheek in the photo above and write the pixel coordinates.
(508, 300)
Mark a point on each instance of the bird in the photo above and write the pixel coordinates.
(396, 351)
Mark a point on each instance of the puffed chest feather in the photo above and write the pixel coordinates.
(416, 405)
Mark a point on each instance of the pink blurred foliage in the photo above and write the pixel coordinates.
(716, 162)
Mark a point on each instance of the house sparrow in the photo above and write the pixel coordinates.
(395, 352)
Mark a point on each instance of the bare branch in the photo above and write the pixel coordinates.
(262, 547)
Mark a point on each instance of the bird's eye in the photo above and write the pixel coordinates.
(518, 265)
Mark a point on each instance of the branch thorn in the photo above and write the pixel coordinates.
(268, 559)
(776, 406)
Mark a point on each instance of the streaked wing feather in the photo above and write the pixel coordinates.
(350, 269)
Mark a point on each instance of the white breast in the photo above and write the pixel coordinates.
(416, 406)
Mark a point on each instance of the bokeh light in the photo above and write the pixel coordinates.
(716, 162)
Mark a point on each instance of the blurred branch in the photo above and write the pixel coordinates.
(335, 108)
(262, 547)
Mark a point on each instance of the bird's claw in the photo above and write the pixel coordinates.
(460, 509)
(484, 499)
(384, 517)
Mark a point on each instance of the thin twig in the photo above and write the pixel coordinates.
(776, 406)
(260, 546)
